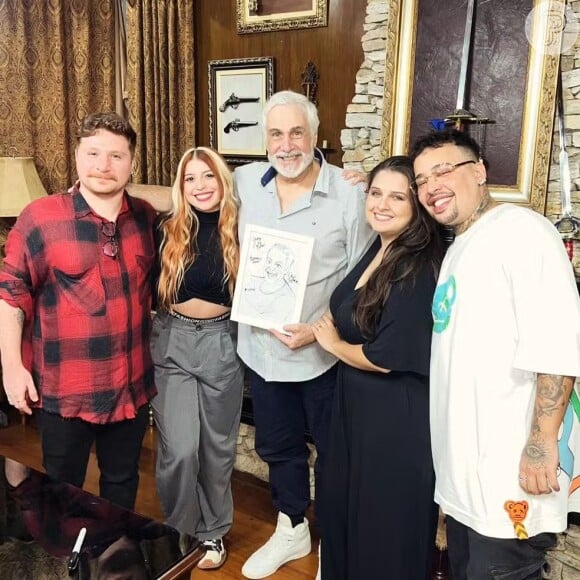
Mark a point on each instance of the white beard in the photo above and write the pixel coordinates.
(305, 163)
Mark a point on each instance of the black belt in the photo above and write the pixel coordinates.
(199, 323)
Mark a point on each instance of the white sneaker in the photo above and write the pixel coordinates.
(285, 544)
(215, 555)
(319, 573)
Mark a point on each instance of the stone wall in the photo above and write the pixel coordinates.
(361, 140)
(247, 459)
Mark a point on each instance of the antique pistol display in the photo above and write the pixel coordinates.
(236, 125)
(234, 101)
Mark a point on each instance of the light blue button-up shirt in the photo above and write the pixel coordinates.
(333, 214)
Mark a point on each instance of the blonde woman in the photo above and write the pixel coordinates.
(197, 372)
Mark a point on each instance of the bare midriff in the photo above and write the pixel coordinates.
(196, 308)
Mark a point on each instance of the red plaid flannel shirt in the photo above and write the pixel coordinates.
(88, 315)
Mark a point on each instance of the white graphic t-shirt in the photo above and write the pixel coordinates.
(506, 307)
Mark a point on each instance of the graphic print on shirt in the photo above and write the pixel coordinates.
(569, 426)
(517, 512)
(564, 451)
(443, 301)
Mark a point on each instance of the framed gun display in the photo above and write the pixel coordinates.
(238, 90)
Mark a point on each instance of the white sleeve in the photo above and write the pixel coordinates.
(545, 300)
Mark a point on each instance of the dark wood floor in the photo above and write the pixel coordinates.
(254, 516)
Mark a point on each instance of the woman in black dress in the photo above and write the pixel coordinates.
(378, 516)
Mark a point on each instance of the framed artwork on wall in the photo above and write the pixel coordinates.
(513, 83)
(272, 277)
(238, 90)
(267, 15)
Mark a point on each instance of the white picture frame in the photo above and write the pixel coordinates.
(272, 277)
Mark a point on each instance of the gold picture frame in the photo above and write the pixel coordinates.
(539, 100)
(296, 14)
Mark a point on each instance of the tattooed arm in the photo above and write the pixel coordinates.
(17, 381)
(539, 460)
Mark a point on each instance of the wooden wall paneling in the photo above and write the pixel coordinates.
(335, 50)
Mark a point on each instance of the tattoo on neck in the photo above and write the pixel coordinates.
(20, 317)
(487, 202)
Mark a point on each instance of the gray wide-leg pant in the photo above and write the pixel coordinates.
(197, 412)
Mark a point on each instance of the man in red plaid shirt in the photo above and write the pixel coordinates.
(75, 305)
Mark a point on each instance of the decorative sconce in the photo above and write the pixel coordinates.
(309, 83)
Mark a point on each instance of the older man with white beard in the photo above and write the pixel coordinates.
(291, 377)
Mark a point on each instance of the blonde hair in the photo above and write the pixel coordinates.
(180, 228)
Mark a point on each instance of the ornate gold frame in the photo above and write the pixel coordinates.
(315, 17)
(539, 101)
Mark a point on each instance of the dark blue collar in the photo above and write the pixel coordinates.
(271, 171)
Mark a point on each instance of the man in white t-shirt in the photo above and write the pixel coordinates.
(505, 351)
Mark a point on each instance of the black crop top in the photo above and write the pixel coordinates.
(204, 278)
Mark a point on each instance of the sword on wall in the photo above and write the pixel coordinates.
(461, 116)
(568, 226)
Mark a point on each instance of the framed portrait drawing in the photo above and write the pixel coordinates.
(238, 90)
(272, 277)
(267, 15)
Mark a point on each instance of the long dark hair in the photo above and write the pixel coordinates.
(419, 245)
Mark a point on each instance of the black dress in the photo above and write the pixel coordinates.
(378, 516)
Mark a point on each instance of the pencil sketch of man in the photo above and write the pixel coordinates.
(272, 296)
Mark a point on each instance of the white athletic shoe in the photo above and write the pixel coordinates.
(285, 544)
(215, 555)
